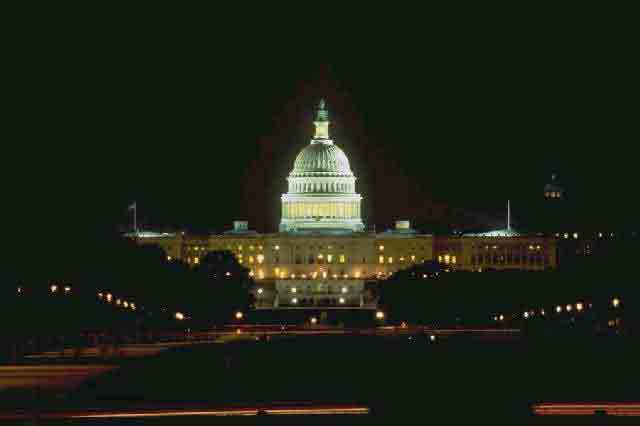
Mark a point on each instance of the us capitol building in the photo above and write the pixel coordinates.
(322, 257)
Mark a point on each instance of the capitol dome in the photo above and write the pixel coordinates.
(321, 194)
(321, 158)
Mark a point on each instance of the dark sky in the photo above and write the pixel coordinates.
(200, 121)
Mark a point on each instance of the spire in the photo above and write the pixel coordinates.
(508, 215)
(322, 121)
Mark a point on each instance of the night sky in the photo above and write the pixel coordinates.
(200, 123)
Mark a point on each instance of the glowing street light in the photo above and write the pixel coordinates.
(239, 315)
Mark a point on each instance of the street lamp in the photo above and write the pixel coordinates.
(239, 315)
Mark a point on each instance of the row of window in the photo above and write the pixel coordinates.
(508, 260)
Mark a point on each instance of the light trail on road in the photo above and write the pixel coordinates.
(213, 412)
(587, 409)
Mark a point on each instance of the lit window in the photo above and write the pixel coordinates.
(294, 300)
(294, 290)
(324, 274)
(381, 248)
(169, 258)
(277, 271)
(341, 300)
(239, 248)
(260, 274)
(413, 258)
(329, 258)
(251, 248)
(259, 247)
(260, 258)
(439, 258)
(277, 247)
(357, 274)
(320, 256)
(344, 290)
(381, 259)
(251, 273)
(454, 260)
(447, 259)
(402, 259)
(196, 260)
(575, 235)
(390, 260)
(342, 258)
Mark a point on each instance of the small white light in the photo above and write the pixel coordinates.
(179, 316)
(314, 320)
(615, 302)
(526, 315)
(344, 290)
(341, 300)
(294, 300)
(239, 315)
(432, 338)
(379, 315)
(260, 291)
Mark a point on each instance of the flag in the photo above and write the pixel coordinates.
(132, 206)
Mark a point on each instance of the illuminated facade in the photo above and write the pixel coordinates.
(323, 258)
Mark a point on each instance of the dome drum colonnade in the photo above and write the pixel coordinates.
(321, 193)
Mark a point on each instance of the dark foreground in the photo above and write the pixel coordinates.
(453, 379)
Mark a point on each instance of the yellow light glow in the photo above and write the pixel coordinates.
(293, 275)
(447, 259)
(179, 316)
(615, 302)
(381, 259)
(380, 315)
(250, 259)
(118, 302)
(413, 258)
(381, 248)
(454, 260)
(579, 306)
(558, 309)
(294, 290)
(390, 260)
(277, 247)
(100, 295)
(109, 297)
(169, 258)
(526, 315)
(569, 308)
(132, 306)
(260, 291)
(344, 290)
(67, 289)
(228, 274)
(329, 258)
(277, 271)
(196, 260)
(439, 258)
(335, 276)
(125, 304)
(501, 317)
(239, 248)
(324, 274)
(251, 248)
(314, 320)
(320, 256)
(260, 258)
(294, 300)
(341, 300)
(343, 259)
(53, 288)
(304, 276)
(239, 315)
(251, 273)
(357, 274)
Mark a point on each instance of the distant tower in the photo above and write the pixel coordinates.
(553, 190)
